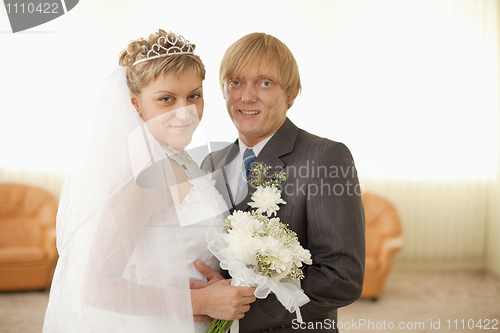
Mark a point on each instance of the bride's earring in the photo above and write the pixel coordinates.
(138, 112)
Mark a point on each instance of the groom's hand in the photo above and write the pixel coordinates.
(211, 274)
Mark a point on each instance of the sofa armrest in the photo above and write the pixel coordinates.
(49, 240)
(389, 247)
(47, 216)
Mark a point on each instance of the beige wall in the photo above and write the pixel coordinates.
(493, 250)
(493, 233)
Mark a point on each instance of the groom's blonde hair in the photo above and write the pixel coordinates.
(247, 53)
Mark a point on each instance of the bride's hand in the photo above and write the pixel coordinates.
(202, 318)
(211, 274)
(221, 300)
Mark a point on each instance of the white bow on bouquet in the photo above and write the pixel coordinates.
(260, 251)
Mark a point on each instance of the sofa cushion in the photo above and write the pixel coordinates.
(20, 230)
(21, 256)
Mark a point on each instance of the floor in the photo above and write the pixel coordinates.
(413, 301)
(425, 301)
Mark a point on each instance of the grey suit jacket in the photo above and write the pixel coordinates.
(324, 208)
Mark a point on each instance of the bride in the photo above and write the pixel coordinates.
(135, 207)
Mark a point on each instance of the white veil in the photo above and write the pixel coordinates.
(117, 190)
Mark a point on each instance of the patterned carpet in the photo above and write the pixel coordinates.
(412, 302)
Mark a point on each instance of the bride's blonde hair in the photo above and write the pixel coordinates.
(141, 74)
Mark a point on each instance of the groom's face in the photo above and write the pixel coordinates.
(256, 103)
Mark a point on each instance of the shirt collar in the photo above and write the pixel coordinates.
(257, 148)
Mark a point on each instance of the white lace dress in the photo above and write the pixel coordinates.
(202, 208)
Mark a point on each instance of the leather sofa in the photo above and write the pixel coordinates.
(383, 241)
(27, 237)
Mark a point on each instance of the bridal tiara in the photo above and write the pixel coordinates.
(167, 46)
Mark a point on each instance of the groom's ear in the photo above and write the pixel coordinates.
(290, 99)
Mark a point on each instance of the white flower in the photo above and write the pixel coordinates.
(301, 255)
(245, 221)
(266, 200)
(242, 246)
(240, 238)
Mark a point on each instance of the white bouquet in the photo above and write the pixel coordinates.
(258, 250)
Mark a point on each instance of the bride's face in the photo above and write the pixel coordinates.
(172, 107)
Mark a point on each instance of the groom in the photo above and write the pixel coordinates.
(260, 80)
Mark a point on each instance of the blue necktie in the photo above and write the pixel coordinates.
(248, 158)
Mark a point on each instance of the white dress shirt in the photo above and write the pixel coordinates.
(233, 169)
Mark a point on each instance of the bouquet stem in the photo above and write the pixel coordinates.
(219, 326)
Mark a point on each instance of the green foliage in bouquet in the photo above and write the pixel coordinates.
(259, 175)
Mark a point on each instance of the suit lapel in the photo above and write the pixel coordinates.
(228, 154)
(217, 161)
(282, 143)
